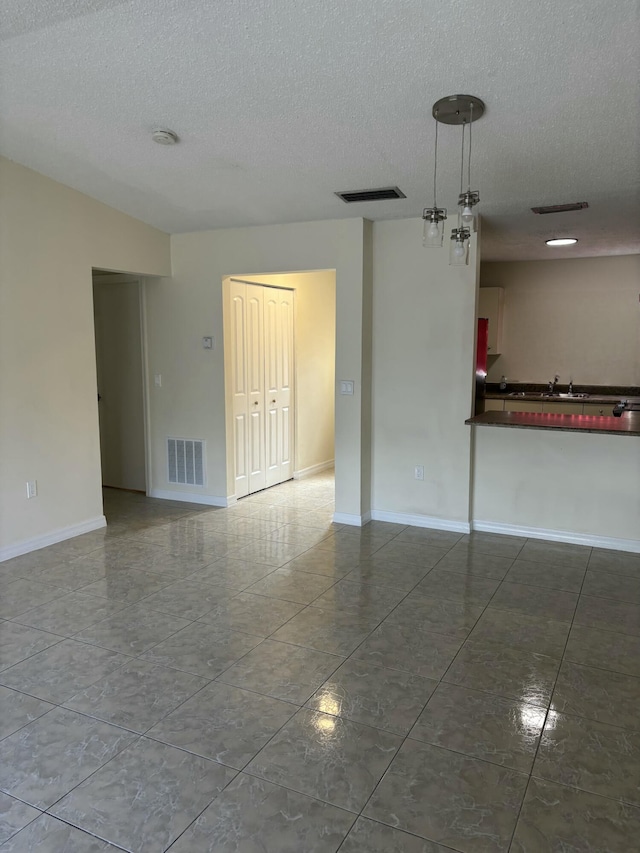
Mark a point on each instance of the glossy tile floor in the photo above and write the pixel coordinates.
(257, 679)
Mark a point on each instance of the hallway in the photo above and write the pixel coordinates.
(258, 678)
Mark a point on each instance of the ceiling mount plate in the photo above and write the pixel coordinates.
(456, 109)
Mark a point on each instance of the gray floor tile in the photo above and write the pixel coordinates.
(327, 563)
(555, 819)
(376, 696)
(70, 614)
(607, 585)
(136, 696)
(61, 670)
(492, 543)
(369, 836)
(46, 759)
(592, 756)
(298, 534)
(426, 613)
(598, 694)
(17, 709)
(452, 799)
(603, 649)
(549, 576)
(188, 600)
(618, 562)
(255, 815)
(224, 723)
(140, 556)
(49, 835)
(362, 599)
(484, 726)
(505, 671)
(128, 586)
(335, 760)
(271, 553)
(202, 649)
(18, 642)
(465, 562)
(288, 585)
(608, 614)
(133, 630)
(348, 545)
(468, 589)
(291, 673)
(382, 572)
(544, 636)
(252, 614)
(533, 601)
(146, 797)
(422, 555)
(21, 595)
(558, 553)
(231, 573)
(74, 575)
(427, 536)
(14, 815)
(330, 630)
(405, 648)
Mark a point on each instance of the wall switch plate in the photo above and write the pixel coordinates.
(157, 380)
(207, 342)
(419, 472)
(32, 489)
(346, 386)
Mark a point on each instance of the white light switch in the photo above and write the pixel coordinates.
(346, 386)
(157, 379)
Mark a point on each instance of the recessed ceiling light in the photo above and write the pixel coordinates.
(562, 241)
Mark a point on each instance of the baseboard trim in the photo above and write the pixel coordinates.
(313, 469)
(188, 497)
(421, 521)
(612, 544)
(353, 520)
(59, 535)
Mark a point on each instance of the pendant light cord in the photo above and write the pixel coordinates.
(462, 159)
(470, 123)
(435, 163)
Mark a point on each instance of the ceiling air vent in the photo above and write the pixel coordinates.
(380, 194)
(561, 208)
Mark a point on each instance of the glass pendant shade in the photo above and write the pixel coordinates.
(466, 203)
(459, 247)
(433, 233)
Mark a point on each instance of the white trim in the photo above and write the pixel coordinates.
(313, 469)
(354, 520)
(421, 521)
(59, 535)
(188, 497)
(569, 536)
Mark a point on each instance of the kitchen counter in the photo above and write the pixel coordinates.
(548, 398)
(627, 424)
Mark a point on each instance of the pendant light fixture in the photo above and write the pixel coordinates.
(457, 110)
(434, 216)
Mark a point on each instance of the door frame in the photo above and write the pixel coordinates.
(139, 282)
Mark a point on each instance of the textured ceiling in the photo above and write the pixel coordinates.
(278, 103)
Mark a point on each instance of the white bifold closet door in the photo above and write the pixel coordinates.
(263, 353)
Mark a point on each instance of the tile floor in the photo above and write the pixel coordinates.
(258, 679)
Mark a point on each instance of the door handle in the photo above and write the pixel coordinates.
(273, 401)
(255, 403)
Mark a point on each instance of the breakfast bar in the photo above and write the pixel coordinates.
(572, 478)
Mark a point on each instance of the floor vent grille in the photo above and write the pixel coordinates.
(186, 461)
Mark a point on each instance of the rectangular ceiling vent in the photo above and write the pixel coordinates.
(561, 208)
(380, 194)
(185, 457)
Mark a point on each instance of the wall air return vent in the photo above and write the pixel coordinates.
(185, 457)
(381, 194)
(561, 208)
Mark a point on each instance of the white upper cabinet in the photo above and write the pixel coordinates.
(490, 302)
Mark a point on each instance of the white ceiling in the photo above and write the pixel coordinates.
(280, 102)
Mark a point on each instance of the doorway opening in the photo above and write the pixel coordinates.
(118, 309)
(279, 355)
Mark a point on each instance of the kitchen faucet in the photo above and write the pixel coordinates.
(551, 389)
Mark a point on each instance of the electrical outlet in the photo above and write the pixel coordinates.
(32, 489)
(157, 379)
(418, 472)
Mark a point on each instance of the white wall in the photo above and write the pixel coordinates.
(50, 237)
(423, 364)
(179, 312)
(577, 318)
(315, 355)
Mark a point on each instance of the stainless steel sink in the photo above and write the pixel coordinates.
(571, 396)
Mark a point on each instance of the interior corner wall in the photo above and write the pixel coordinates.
(191, 401)
(50, 238)
(423, 362)
(578, 318)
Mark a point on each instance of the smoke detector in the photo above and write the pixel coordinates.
(164, 137)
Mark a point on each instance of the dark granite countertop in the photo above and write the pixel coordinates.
(627, 424)
(538, 397)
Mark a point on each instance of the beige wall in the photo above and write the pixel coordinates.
(315, 348)
(50, 237)
(423, 346)
(179, 312)
(577, 318)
